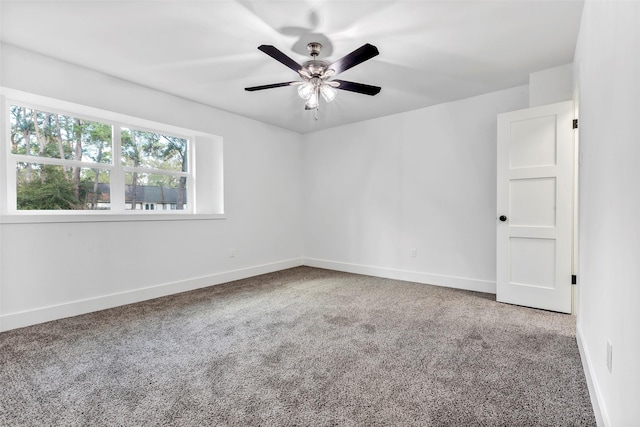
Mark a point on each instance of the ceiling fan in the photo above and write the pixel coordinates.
(316, 74)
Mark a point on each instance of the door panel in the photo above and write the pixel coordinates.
(533, 142)
(532, 202)
(535, 194)
(533, 262)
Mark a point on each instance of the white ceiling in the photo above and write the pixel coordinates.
(206, 51)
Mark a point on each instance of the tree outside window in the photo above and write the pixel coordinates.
(68, 163)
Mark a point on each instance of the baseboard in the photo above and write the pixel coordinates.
(592, 383)
(405, 275)
(75, 308)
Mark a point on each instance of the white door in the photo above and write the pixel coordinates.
(535, 200)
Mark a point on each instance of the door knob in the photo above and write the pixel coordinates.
(502, 218)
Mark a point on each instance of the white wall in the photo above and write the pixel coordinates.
(607, 69)
(370, 193)
(424, 179)
(551, 85)
(55, 270)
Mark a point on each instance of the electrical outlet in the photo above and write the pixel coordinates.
(232, 253)
(609, 356)
(414, 252)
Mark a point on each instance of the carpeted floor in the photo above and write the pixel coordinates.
(301, 347)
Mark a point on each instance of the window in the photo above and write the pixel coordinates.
(66, 161)
(156, 170)
(61, 162)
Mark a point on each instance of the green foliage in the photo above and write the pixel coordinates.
(54, 192)
(51, 135)
(152, 150)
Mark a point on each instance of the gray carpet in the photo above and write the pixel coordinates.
(299, 347)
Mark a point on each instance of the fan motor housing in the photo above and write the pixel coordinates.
(315, 67)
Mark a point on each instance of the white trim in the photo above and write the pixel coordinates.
(60, 162)
(75, 308)
(210, 193)
(405, 275)
(96, 216)
(152, 171)
(92, 113)
(599, 409)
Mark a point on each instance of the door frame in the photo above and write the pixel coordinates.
(575, 304)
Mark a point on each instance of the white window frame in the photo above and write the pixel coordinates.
(204, 189)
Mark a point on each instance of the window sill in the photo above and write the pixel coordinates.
(45, 218)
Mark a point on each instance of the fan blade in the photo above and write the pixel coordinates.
(251, 89)
(357, 87)
(358, 56)
(273, 52)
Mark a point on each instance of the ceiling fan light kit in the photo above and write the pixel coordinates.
(316, 73)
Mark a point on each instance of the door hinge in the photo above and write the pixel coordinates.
(574, 279)
(575, 123)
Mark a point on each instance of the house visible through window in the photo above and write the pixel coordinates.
(164, 155)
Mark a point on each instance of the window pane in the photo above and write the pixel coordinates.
(153, 150)
(52, 187)
(155, 192)
(44, 134)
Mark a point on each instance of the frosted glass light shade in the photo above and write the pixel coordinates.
(305, 90)
(328, 93)
(313, 101)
